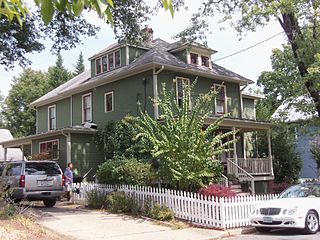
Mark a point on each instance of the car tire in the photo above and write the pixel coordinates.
(263, 229)
(50, 202)
(311, 222)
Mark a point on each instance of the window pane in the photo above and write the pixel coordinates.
(109, 102)
(98, 65)
(220, 99)
(111, 62)
(42, 169)
(205, 61)
(194, 58)
(117, 58)
(43, 147)
(105, 63)
(14, 169)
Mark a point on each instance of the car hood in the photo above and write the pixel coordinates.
(287, 202)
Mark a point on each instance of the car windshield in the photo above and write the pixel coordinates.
(301, 191)
(42, 169)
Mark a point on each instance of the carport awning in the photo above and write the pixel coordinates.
(18, 142)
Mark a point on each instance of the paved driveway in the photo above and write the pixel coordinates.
(84, 224)
(291, 234)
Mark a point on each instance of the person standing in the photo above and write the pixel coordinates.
(68, 174)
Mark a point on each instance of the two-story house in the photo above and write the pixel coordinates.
(122, 75)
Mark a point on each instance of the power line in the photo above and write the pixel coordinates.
(245, 49)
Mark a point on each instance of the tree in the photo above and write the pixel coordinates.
(19, 118)
(58, 74)
(299, 20)
(1, 110)
(315, 151)
(79, 67)
(185, 151)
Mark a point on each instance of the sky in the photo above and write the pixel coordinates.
(248, 64)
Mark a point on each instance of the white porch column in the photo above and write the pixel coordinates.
(270, 151)
(22, 152)
(235, 156)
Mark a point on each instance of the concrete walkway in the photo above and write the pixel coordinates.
(85, 224)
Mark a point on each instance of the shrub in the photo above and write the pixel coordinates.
(280, 187)
(96, 199)
(118, 202)
(217, 190)
(123, 170)
(161, 213)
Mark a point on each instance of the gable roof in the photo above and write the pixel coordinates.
(157, 56)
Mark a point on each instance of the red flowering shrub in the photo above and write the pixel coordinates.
(217, 190)
(280, 187)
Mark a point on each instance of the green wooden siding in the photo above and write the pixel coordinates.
(127, 92)
(134, 53)
(84, 154)
(248, 108)
(203, 86)
(62, 160)
(42, 120)
(123, 55)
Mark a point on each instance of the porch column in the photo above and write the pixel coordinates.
(235, 156)
(22, 152)
(270, 152)
(244, 147)
(5, 152)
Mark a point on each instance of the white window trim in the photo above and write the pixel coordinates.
(198, 58)
(184, 79)
(95, 63)
(215, 86)
(55, 119)
(82, 114)
(105, 101)
(53, 140)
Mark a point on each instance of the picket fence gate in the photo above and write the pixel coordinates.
(219, 213)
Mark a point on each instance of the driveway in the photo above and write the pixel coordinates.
(290, 234)
(85, 224)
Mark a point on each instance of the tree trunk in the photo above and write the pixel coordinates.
(291, 27)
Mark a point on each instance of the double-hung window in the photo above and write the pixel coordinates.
(111, 61)
(109, 102)
(52, 117)
(105, 63)
(221, 99)
(51, 148)
(98, 66)
(86, 108)
(181, 83)
(205, 61)
(194, 58)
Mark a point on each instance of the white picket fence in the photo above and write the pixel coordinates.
(220, 213)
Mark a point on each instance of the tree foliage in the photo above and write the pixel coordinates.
(79, 67)
(19, 118)
(185, 151)
(315, 151)
(58, 74)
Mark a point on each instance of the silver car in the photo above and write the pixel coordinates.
(33, 180)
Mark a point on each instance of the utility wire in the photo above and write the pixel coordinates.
(245, 49)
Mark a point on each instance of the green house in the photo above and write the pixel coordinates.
(122, 75)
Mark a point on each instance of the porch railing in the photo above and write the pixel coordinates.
(254, 166)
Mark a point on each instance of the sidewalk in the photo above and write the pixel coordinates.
(96, 225)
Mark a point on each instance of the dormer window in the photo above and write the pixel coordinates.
(111, 61)
(117, 59)
(205, 61)
(105, 63)
(98, 66)
(194, 58)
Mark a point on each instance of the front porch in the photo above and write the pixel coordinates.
(243, 162)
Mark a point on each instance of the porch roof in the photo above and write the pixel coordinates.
(17, 142)
(245, 125)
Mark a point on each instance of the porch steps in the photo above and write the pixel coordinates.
(238, 190)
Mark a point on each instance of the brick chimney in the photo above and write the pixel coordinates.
(149, 32)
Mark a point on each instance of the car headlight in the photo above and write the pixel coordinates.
(290, 211)
(284, 211)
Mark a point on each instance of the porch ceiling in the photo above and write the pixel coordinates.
(245, 125)
(14, 143)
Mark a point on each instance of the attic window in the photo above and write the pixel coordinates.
(194, 58)
(111, 61)
(98, 66)
(205, 61)
(105, 63)
(117, 59)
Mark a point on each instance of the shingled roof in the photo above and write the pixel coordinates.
(157, 55)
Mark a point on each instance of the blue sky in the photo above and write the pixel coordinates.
(249, 63)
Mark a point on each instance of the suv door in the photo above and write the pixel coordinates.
(43, 176)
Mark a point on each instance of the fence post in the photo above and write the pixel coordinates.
(222, 212)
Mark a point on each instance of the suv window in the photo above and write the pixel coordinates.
(14, 169)
(42, 169)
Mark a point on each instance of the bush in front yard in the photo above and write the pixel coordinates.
(123, 170)
(217, 190)
(96, 199)
(161, 213)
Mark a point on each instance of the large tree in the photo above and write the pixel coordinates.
(79, 67)
(299, 20)
(58, 74)
(19, 118)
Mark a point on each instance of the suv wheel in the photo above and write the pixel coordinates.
(50, 202)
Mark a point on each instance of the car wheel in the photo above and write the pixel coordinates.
(263, 229)
(311, 223)
(50, 202)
